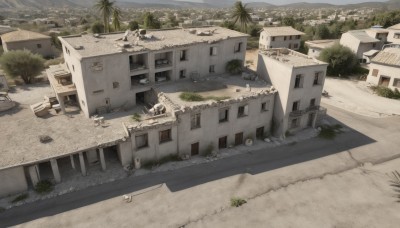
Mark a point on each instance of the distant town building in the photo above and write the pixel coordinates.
(315, 47)
(280, 37)
(32, 41)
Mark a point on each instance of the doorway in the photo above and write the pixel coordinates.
(239, 139)
(384, 81)
(195, 149)
(140, 98)
(222, 142)
(260, 133)
(311, 117)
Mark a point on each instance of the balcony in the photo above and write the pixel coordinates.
(297, 113)
(139, 80)
(162, 63)
(163, 59)
(138, 62)
(313, 108)
(137, 66)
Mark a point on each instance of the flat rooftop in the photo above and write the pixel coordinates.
(290, 57)
(20, 130)
(88, 45)
(226, 87)
(321, 44)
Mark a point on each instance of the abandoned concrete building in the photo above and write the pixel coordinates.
(299, 80)
(280, 37)
(132, 87)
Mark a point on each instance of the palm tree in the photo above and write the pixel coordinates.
(106, 8)
(116, 19)
(241, 14)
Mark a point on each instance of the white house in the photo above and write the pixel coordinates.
(315, 47)
(385, 69)
(280, 37)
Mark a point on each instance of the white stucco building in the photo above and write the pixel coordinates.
(35, 42)
(394, 34)
(315, 47)
(280, 37)
(385, 69)
(299, 80)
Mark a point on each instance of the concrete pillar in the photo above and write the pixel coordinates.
(56, 171)
(82, 162)
(34, 174)
(72, 161)
(62, 104)
(102, 160)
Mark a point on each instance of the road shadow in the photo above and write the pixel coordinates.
(258, 161)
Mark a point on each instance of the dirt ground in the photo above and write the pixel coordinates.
(355, 96)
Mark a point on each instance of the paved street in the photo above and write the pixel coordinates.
(179, 197)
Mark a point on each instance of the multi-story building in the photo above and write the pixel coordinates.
(385, 69)
(118, 70)
(362, 41)
(299, 80)
(280, 37)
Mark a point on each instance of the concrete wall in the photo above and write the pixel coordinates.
(32, 45)
(125, 152)
(279, 42)
(155, 151)
(388, 71)
(13, 181)
(391, 37)
(358, 48)
(211, 130)
(96, 87)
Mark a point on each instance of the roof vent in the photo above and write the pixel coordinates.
(78, 47)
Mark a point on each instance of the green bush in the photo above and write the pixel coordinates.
(136, 117)
(193, 97)
(234, 66)
(329, 132)
(20, 198)
(386, 92)
(44, 186)
(237, 202)
(341, 60)
(163, 160)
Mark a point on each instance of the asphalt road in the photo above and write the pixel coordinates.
(253, 163)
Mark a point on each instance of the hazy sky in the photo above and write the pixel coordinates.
(282, 2)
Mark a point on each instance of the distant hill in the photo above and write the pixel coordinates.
(20, 4)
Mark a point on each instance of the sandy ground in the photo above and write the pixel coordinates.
(252, 55)
(355, 96)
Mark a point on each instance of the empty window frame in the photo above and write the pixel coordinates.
(298, 81)
(183, 55)
(182, 74)
(296, 106)
(238, 47)
(211, 69)
(396, 82)
(223, 115)
(375, 72)
(195, 121)
(142, 141)
(312, 102)
(243, 111)
(165, 136)
(294, 123)
(39, 45)
(265, 106)
(213, 51)
(316, 78)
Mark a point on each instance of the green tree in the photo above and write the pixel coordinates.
(106, 8)
(133, 25)
(150, 22)
(116, 19)
(254, 30)
(97, 27)
(241, 15)
(288, 21)
(228, 25)
(322, 32)
(55, 41)
(22, 63)
(234, 66)
(341, 60)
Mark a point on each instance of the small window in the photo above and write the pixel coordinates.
(115, 85)
(396, 82)
(273, 38)
(296, 106)
(290, 37)
(238, 47)
(98, 91)
(142, 141)
(298, 37)
(294, 123)
(223, 115)
(183, 55)
(265, 106)
(284, 38)
(375, 72)
(374, 45)
(223, 142)
(165, 136)
(195, 121)
(312, 102)
(295, 46)
(213, 51)
(243, 111)
(212, 69)
(73, 68)
(316, 79)
(182, 74)
(396, 36)
(297, 83)
(260, 133)
(38, 45)
(290, 46)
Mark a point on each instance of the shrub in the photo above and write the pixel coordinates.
(136, 117)
(163, 160)
(341, 60)
(234, 66)
(329, 132)
(193, 97)
(208, 151)
(386, 92)
(22, 63)
(44, 186)
(20, 198)
(237, 202)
